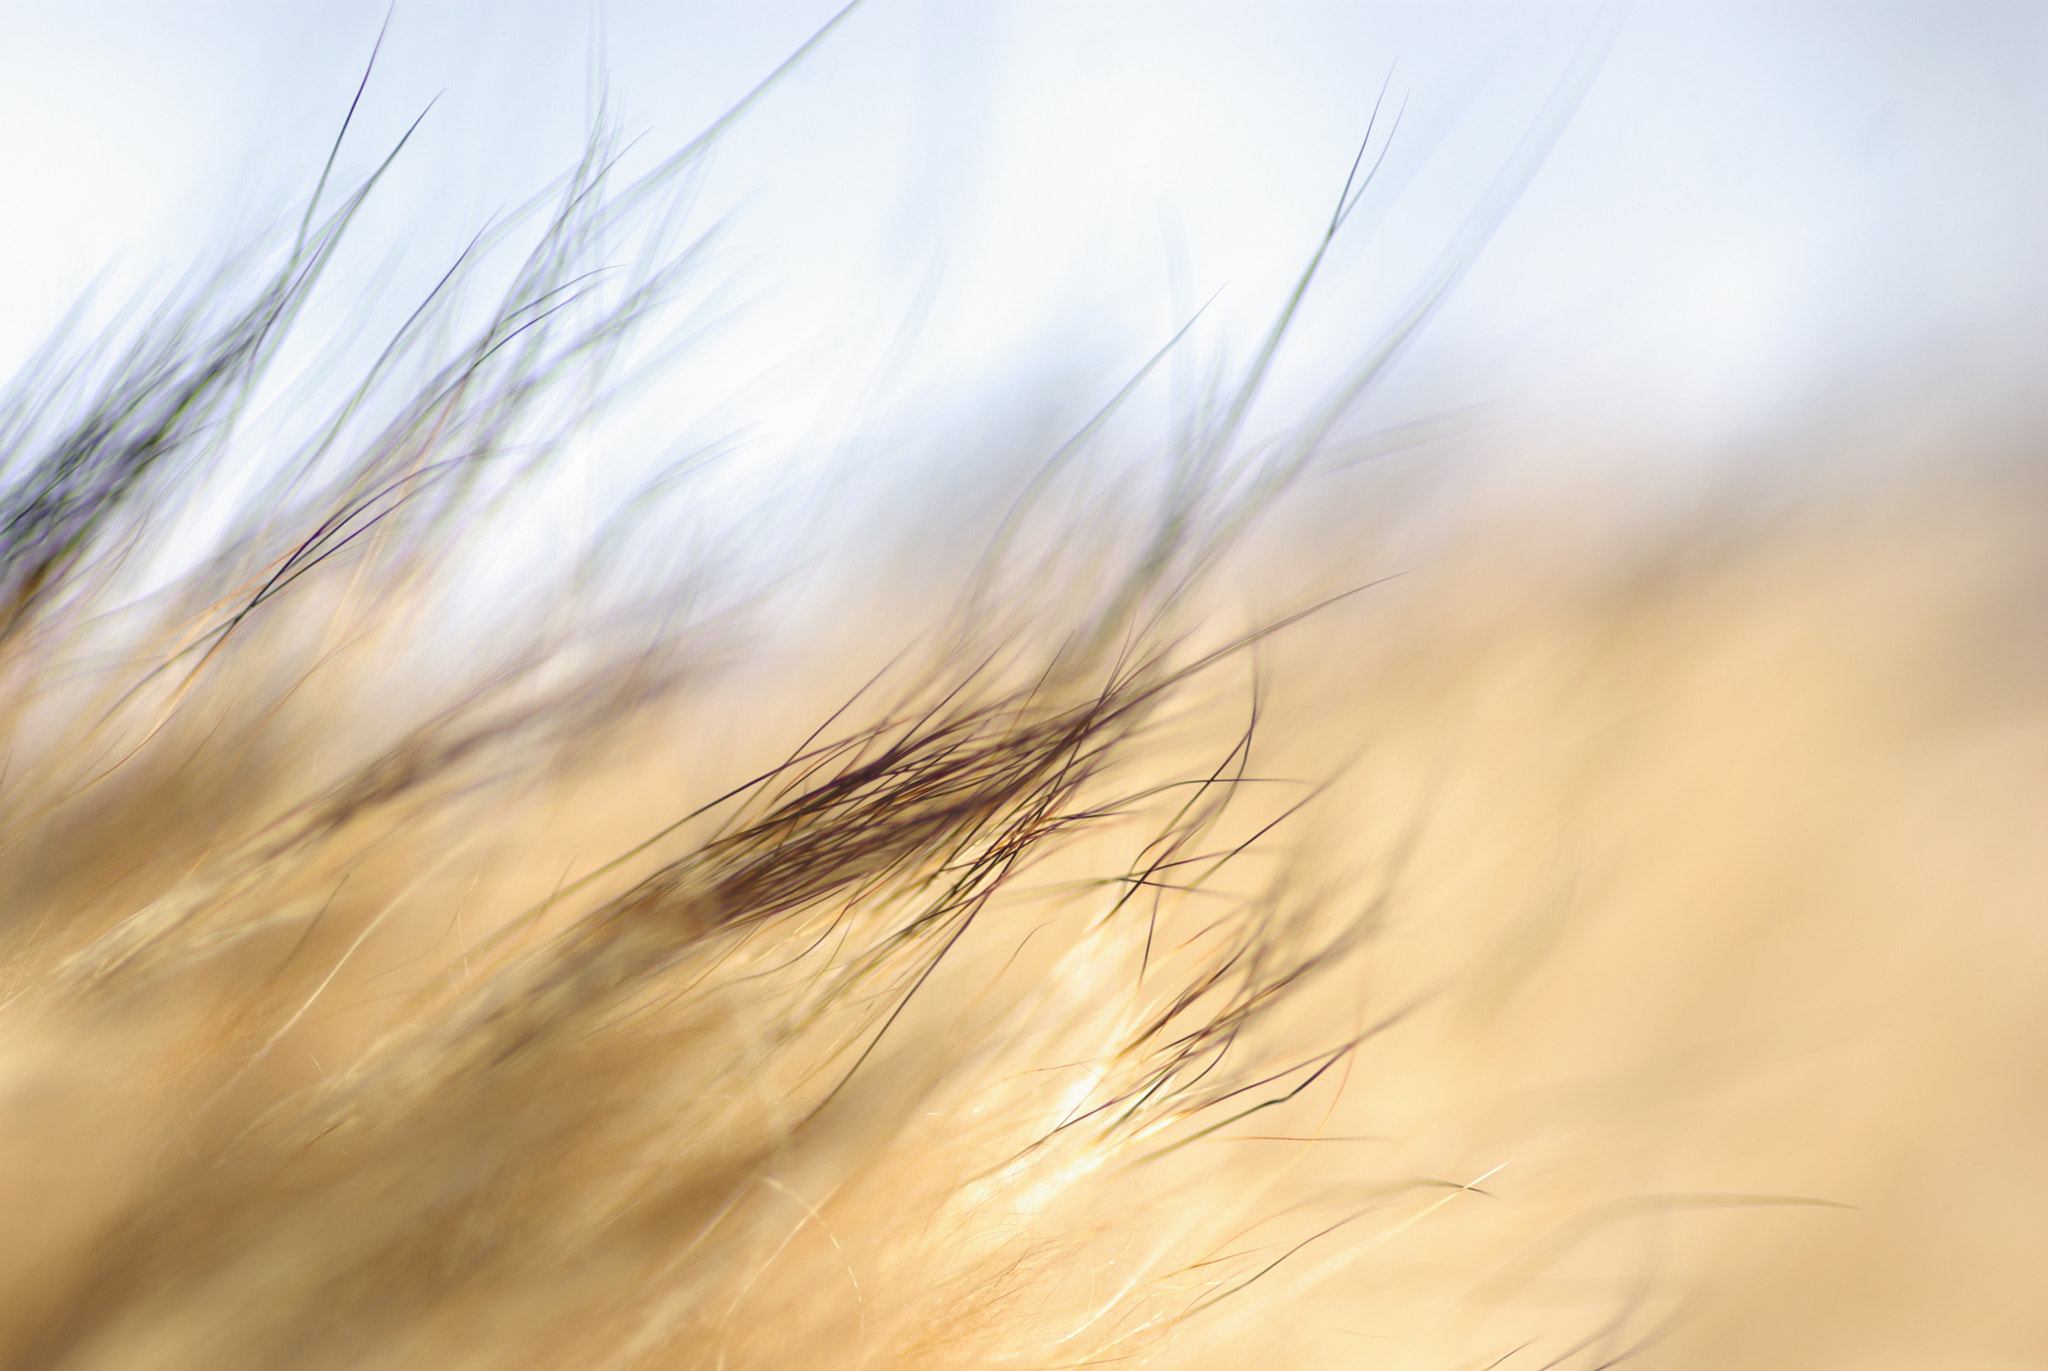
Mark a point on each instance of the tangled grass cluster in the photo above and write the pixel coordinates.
(1578, 949)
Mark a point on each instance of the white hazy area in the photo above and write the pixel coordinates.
(952, 210)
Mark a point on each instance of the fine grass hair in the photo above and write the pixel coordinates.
(372, 1089)
(1185, 939)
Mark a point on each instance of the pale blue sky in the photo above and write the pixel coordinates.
(1756, 202)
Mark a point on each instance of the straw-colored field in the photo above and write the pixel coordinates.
(1196, 899)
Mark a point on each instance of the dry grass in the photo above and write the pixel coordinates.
(1532, 961)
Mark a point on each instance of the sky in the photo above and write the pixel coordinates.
(952, 207)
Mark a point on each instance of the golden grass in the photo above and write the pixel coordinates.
(1534, 960)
